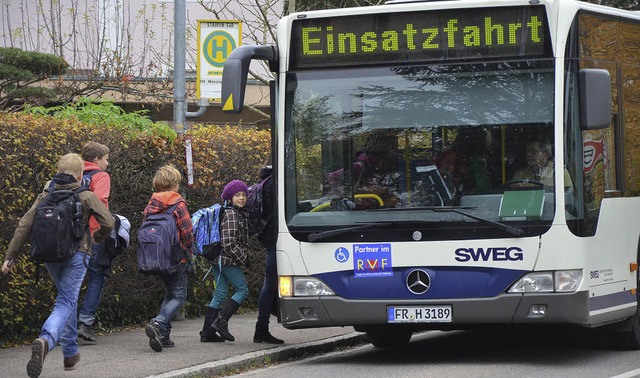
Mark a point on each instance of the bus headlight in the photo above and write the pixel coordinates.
(567, 280)
(302, 287)
(560, 281)
(539, 282)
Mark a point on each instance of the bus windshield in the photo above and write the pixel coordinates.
(402, 146)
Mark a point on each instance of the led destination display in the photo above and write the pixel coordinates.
(420, 36)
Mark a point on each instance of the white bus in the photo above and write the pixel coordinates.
(454, 164)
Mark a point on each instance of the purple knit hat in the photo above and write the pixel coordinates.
(232, 188)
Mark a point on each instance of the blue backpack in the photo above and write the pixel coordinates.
(87, 176)
(207, 229)
(159, 245)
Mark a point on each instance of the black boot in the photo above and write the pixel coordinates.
(221, 324)
(262, 335)
(208, 334)
(209, 317)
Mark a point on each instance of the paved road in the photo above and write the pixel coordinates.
(544, 353)
(127, 353)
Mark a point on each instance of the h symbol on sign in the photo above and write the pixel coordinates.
(219, 48)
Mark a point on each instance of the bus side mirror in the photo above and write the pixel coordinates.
(595, 98)
(236, 70)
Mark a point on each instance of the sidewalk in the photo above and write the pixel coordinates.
(127, 353)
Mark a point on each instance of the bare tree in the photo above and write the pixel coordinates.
(115, 48)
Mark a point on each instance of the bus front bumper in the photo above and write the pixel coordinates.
(311, 312)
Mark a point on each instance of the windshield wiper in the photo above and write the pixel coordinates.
(317, 236)
(516, 231)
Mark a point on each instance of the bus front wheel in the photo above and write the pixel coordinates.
(627, 334)
(388, 338)
(629, 337)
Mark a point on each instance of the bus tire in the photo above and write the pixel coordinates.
(388, 338)
(627, 335)
(628, 339)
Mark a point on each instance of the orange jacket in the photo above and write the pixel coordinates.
(101, 187)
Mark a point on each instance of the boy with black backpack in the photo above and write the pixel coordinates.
(58, 225)
(166, 200)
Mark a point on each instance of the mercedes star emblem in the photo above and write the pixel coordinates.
(418, 281)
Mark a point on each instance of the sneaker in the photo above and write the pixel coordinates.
(85, 332)
(39, 350)
(167, 342)
(70, 362)
(153, 333)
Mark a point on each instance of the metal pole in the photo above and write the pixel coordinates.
(179, 66)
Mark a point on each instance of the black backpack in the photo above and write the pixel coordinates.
(257, 221)
(159, 245)
(57, 226)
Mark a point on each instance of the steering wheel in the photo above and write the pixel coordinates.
(525, 181)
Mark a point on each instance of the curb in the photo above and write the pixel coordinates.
(255, 359)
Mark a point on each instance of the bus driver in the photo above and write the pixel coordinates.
(540, 164)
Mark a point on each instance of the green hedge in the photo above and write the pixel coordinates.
(30, 146)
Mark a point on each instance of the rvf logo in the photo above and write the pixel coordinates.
(372, 260)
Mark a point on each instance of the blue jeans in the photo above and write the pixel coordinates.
(269, 290)
(229, 275)
(62, 325)
(175, 294)
(95, 282)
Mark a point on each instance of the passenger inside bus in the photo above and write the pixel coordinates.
(465, 160)
(365, 164)
(539, 167)
(371, 182)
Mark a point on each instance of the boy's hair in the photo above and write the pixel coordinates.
(71, 164)
(92, 150)
(166, 178)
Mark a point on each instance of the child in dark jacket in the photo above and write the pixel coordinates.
(227, 268)
(61, 325)
(166, 184)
